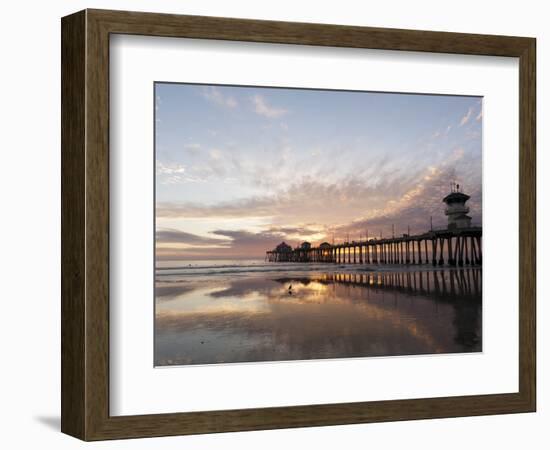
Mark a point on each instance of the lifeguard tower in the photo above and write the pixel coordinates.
(457, 211)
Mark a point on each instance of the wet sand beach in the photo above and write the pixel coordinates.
(230, 313)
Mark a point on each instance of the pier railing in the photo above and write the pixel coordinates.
(460, 246)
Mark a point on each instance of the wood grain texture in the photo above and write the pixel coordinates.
(73, 226)
(527, 224)
(85, 224)
(151, 24)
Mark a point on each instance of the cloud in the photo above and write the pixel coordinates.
(173, 236)
(263, 109)
(287, 197)
(466, 118)
(174, 173)
(441, 133)
(252, 207)
(306, 201)
(480, 115)
(423, 200)
(175, 244)
(246, 237)
(215, 154)
(301, 231)
(169, 169)
(317, 193)
(214, 95)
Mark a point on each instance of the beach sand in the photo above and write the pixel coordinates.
(228, 313)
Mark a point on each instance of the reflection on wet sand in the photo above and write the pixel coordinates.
(322, 315)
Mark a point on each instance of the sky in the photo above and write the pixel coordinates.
(240, 169)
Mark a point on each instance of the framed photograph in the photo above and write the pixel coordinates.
(271, 224)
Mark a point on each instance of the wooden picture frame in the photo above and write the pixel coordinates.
(85, 224)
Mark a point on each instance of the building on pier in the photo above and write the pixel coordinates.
(284, 252)
(283, 247)
(457, 210)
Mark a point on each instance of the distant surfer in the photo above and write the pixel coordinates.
(290, 289)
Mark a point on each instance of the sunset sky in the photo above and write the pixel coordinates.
(239, 169)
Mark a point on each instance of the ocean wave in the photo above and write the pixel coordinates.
(266, 268)
(257, 268)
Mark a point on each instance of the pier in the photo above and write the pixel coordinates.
(457, 245)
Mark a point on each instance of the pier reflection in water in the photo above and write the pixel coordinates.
(323, 315)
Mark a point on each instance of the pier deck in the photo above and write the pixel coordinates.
(460, 246)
